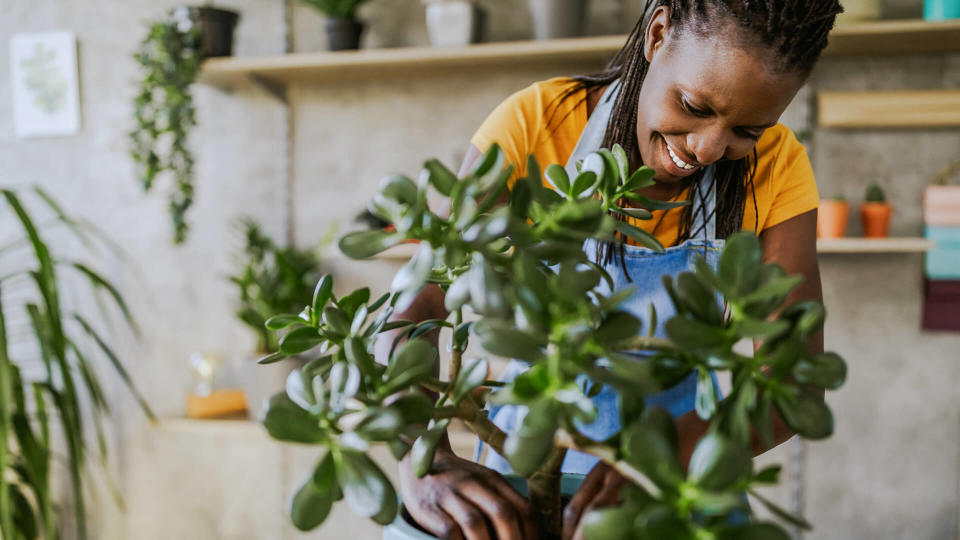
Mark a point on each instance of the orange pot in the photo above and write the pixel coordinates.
(832, 218)
(875, 217)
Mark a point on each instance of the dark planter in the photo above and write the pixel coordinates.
(343, 33)
(554, 19)
(215, 26)
(403, 528)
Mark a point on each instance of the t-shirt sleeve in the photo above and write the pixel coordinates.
(512, 125)
(796, 191)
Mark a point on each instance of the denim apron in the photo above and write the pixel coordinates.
(645, 268)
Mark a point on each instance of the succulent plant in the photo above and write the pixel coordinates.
(521, 268)
(875, 194)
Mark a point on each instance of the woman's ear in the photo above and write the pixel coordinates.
(657, 30)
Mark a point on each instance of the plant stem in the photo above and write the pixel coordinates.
(456, 354)
(649, 343)
(544, 495)
(608, 455)
(476, 419)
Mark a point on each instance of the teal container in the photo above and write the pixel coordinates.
(938, 10)
(943, 261)
(401, 530)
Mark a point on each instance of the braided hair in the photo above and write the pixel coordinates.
(793, 31)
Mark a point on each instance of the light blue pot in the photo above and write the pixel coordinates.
(400, 529)
(938, 10)
(943, 261)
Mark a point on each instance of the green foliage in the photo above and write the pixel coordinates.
(521, 268)
(875, 194)
(38, 329)
(170, 59)
(272, 279)
(336, 8)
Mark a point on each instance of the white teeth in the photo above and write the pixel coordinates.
(677, 161)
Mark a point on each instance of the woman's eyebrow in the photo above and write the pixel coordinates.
(706, 103)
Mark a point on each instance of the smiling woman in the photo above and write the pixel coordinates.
(695, 94)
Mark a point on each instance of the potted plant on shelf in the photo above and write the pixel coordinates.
(875, 213)
(343, 28)
(170, 56)
(51, 351)
(832, 217)
(554, 19)
(270, 279)
(454, 23)
(521, 268)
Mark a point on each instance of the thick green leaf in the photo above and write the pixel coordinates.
(717, 463)
(806, 414)
(706, 400)
(528, 448)
(351, 303)
(502, 339)
(286, 421)
(740, 263)
(769, 475)
(651, 451)
(749, 327)
(557, 176)
(695, 334)
(636, 213)
(413, 276)
(486, 289)
(412, 362)
(300, 340)
(472, 374)
(358, 355)
(622, 161)
(336, 321)
(278, 322)
(415, 408)
(380, 424)
(641, 178)
(640, 236)
(310, 506)
(322, 293)
(366, 244)
(458, 293)
(824, 370)
(365, 488)
(425, 447)
(584, 185)
(442, 178)
(618, 326)
(608, 523)
(344, 383)
(698, 299)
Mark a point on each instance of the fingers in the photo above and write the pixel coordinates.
(468, 517)
(608, 496)
(590, 487)
(436, 522)
(499, 510)
(519, 503)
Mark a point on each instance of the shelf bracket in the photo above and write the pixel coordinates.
(275, 89)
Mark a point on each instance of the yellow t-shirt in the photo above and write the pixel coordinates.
(784, 182)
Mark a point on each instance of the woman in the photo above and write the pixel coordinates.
(695, 94)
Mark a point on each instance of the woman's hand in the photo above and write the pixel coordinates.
(462, 500)
(600, 488)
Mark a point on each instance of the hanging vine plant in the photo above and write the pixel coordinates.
(171, 56)
(164, 111)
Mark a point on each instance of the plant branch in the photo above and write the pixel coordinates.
(608, 455)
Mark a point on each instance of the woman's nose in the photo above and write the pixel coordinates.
(707, 146)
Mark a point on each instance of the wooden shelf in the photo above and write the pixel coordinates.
(873, 245)
(889, 109)
(873, 38)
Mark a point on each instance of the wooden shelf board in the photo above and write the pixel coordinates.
(880, 37)
(873, 245)
(889, 109)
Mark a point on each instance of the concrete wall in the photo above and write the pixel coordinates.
(891, 471)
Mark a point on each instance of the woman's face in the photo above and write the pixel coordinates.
(704, 100)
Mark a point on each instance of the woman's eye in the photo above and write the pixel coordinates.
(751, 135)
(699, 113)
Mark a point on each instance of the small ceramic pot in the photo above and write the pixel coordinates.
(875, 217)
(215, 25)
(557, 18)
(343, 33)
(832, 218)
(941, 206)
(455, 23)
(938, 10)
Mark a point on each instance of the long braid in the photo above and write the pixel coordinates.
(795, 31)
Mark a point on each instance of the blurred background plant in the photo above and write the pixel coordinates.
(271, 279)
(49, 357)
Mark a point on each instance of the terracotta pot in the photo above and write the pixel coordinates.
(875, 217)
(832, 218)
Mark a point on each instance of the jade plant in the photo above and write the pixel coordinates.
(519, 267)
(170, 57)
